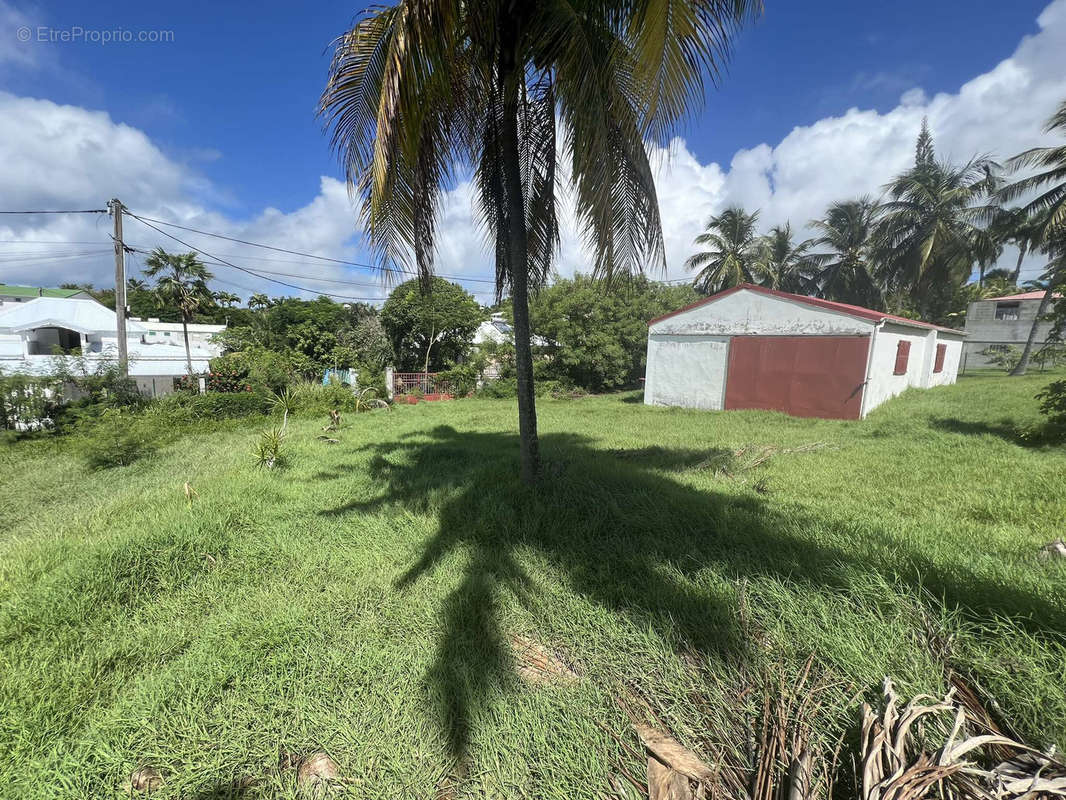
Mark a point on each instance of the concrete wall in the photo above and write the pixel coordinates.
(984, 329)
(686, 371)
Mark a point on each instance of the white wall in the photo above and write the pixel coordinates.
(686, 371)
(952, 360)
(882, 384)
(755, 313)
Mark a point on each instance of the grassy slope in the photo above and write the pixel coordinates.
(361, 600)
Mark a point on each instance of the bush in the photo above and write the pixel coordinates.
(316, 399)
(185, 407)
(118, 438)
(462, 378)
(501, 389)
(265, 370)
(27, 402)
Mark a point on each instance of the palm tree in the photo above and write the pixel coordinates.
(258, 300)
(182, 280)
(136, 285)
(227, 299)
(416, 90)
(780, 264)
(1014, 227)
(1048, 212)
(730, 254)
(845, 271)
(932, 231)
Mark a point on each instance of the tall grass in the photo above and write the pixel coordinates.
(364, 600)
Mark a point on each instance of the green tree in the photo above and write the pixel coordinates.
(932, 231)
(730, 251)
(181, 279)
(258, 300)
(430, 325)
(372, 344)
(416, 89)
(781, 263)
(1047, 213)
(844, 270)
(597, 334)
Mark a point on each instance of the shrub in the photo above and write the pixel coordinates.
(100, 381)
(27, 402)
(462, 378)
(1006, 358)
(502, 389)
(118, 438)
(187, 407)
(316, 399)
(265, 370)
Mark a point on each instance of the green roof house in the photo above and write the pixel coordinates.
(20, 294)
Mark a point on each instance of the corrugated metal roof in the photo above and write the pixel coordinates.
(829, 305)
(81, 315)
(1039, 295)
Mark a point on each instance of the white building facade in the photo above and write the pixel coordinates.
(33, 333)
(751, 347)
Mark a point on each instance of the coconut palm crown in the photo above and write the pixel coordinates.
(419, 90)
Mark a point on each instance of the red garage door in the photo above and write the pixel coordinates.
(806, 376)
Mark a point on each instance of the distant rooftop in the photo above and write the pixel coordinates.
(34, 291)
(1037, 295)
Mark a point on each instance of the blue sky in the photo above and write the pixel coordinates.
(227, 110)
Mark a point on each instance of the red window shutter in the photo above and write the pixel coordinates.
(903, 354)
(941, 351)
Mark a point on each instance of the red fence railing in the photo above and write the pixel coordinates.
(426, 383)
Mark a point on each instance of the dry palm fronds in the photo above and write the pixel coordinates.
(537, 664)
(750, 456)
(1055, 549)
(896, 765)
(145, 779)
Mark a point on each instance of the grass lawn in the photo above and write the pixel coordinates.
(363, 600)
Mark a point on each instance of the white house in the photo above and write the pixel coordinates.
(751, 347)
(31, 330)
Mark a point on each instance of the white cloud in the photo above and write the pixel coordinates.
(70, 157)
(16, 31)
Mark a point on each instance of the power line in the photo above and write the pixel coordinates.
(75, 211)
(225, 263)
(44, 241)
(297, 252)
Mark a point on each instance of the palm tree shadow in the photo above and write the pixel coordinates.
(623, 534)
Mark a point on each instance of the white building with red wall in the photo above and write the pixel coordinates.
(752, 347)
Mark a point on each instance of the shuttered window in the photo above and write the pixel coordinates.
(903, 354)
(941, 351)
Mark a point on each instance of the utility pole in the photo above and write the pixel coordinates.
(120, 286)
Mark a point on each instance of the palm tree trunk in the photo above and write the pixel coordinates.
(188, 352)
(517, 253)
(1018, 266)
(1023, 362)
